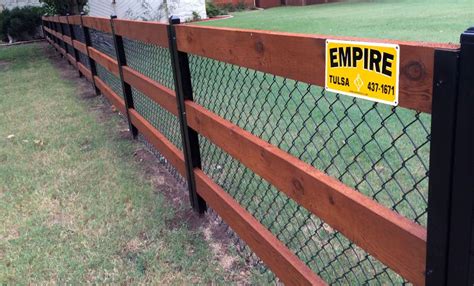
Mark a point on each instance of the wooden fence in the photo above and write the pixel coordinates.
(427, 85)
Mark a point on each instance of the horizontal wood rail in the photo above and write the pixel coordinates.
(72, 60)
(159, 141)
(67, 40)
(80, 46)
(302, 57)
(155, 91)
(97, 23)
(393, 239)
(85, 71)
(284, 263)
(148, 32)
(62, 19)
(75, 20)
(116, 100)
(104, 60)
(54, 33)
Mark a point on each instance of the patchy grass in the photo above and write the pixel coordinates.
(74, 206)
(419, 20)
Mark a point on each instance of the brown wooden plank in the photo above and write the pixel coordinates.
(393, 239)
(67, 40)
(62, 51)
(284, 263)
(75, 20)
(302, 57)
(159, 141)
(114, 99)
(72, 60)
(149, 32)
(157, 92)
(104, 60)
(47, 29)
(80, 47)
(62, 19)
(85, 71)
(97, 23)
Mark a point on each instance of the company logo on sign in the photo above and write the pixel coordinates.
(365, 70)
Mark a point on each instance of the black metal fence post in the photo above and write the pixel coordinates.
(184, 92)
(443, 121)
(58, 31)
(88, 43)
(450, 245)
(61, 28)
(73, 37)
(460, 255)
(126, 88)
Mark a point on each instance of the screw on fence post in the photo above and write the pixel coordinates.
(443, 120)
(184, 92)
(73, 37)
(126, 88)
(460, 256)
(88, 43)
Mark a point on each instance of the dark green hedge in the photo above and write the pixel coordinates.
(20, 23)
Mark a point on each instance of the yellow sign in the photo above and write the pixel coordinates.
(365, 70)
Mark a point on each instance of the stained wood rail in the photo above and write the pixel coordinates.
(160, 94)
(148, 32)
(85, 71)
(116, 100)
(159, 141)
(97, 23)
(104, 60)
(396, 241)
(302, 57)
(80, 47)
(393, 239)
(284, 263)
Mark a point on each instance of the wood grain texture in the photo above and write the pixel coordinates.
(159, 141)
(97, 23)
(393, 239)
(155, 91)
(114, 99)
(302, 57)
(104, 60)
(284, 263)
(149, 32)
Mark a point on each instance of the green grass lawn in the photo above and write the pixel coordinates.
(74, 205)
(416, 20)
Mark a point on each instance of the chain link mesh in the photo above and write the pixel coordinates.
(380, 151)
(103, 42)
(155, 63)
(79, 33)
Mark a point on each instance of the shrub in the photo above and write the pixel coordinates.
(212, 10)
(20, 23)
